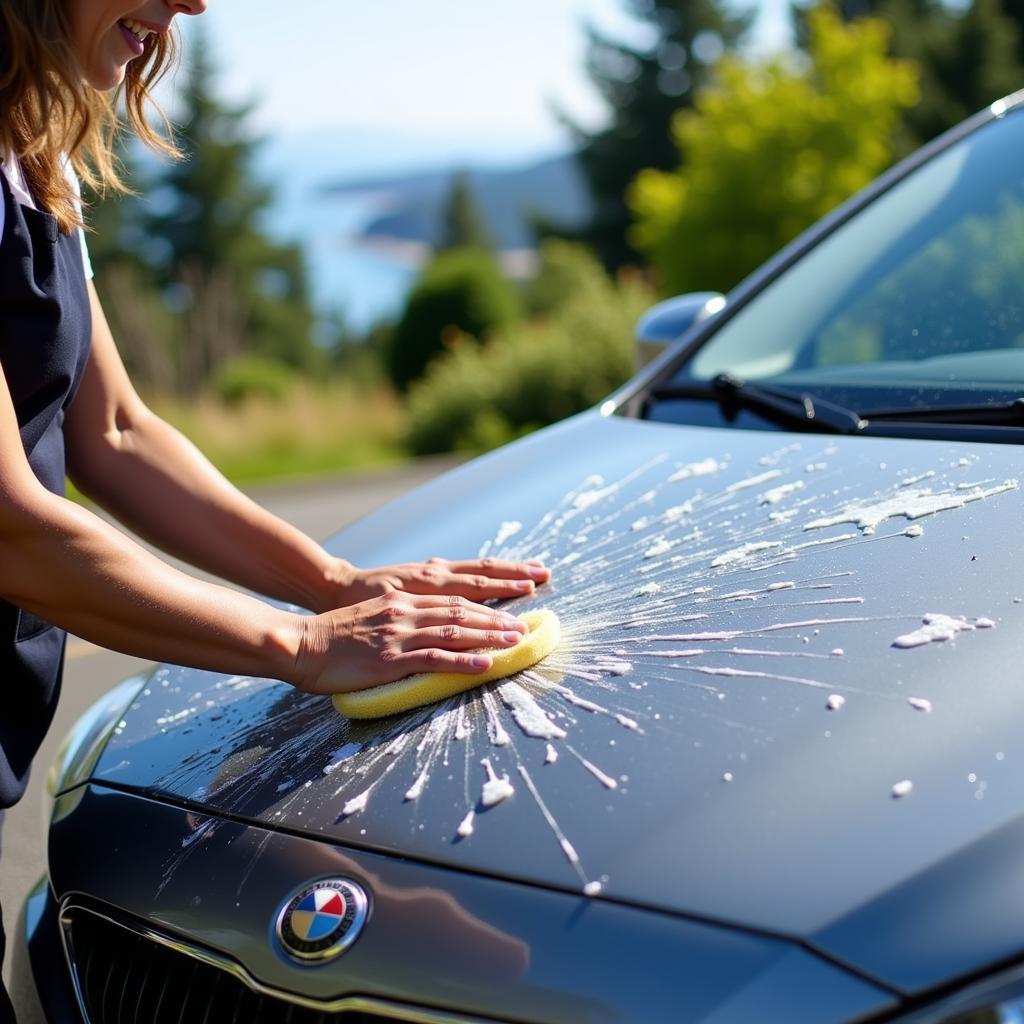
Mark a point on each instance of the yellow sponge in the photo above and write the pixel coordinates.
(541, 638)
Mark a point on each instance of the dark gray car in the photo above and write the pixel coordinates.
(774, 771)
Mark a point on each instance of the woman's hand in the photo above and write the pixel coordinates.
(396, 635)
(478, 579)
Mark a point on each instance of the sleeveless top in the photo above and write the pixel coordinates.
(45, 329)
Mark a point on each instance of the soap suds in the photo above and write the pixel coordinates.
(495, 789)
(936, 628)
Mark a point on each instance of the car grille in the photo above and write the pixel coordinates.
(125, 977)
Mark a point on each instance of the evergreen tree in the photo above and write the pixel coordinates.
(140, 322)
(240, 292)
(643, 87)
(461, 222)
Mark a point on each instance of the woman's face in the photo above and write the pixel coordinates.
(106, 34)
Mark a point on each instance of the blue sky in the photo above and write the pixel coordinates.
(438, 70)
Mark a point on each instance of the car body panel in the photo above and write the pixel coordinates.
(434, 937)
(699, 768)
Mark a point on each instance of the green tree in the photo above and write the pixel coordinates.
(461, 221)
(769, 149)
(141, 323)
(643, 87)
(474, 397)
(967, 56)
(240, 292)
(461, 292)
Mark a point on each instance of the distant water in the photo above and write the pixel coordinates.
(348, 278)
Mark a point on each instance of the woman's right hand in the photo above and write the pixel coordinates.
(397, 635)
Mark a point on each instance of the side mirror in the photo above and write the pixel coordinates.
(668, 321)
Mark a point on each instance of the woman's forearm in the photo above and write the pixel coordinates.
(156, 482)
(67, 566)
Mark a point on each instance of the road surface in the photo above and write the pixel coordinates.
(319, 508)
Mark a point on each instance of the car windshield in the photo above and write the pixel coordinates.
(916, 302)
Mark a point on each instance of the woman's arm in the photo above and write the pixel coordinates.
(151, 478)
(67, 566)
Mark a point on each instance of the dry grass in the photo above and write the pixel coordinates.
(314, 429)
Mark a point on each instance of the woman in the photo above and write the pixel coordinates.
(66, 405)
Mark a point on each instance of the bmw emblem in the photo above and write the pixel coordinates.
(322, 919)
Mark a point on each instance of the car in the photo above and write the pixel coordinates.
(773, 771)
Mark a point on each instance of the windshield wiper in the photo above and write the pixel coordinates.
(1006, 414)
(801, 411)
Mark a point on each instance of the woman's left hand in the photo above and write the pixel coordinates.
(478, 579)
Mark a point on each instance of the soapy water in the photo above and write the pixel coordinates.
(696, 554)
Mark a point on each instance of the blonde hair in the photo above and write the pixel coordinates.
(48, 114)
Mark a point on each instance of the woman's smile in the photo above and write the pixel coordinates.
(107, 34)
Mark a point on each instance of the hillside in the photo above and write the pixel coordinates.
(508, 200)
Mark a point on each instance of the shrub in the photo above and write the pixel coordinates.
(244, 377)
(565, 268)
(462, 290)
(478, 396)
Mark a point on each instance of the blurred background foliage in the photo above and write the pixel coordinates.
(710, 159)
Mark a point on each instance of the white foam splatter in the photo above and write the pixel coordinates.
(911, 480)
(753, 481)
(495, 789)
(495, 729)
(528, 714)
(776, 494)
(692, 469)
(592, 888)
(937, 628)
(606, 780)
(914, 531)
(743, 552)
(660, 547)
(835, 702)
(676, 512)
(507, 530)
(416, 789)
(912, 504)
(551, 756)
(902, 789)
(356, 804)
(465, 828)
(919, 703)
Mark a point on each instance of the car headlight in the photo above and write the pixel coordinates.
(995, 1000)
(81, 747)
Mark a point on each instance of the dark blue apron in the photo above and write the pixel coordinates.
(45, 327)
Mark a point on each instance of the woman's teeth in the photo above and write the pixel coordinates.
(139, 31)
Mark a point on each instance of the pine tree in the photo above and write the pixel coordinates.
(143, 327)
(461, 221)
(644, 87)
(239, 291)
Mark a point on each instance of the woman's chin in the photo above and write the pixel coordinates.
(104, 79)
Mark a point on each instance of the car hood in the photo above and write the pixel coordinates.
(786, 696)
